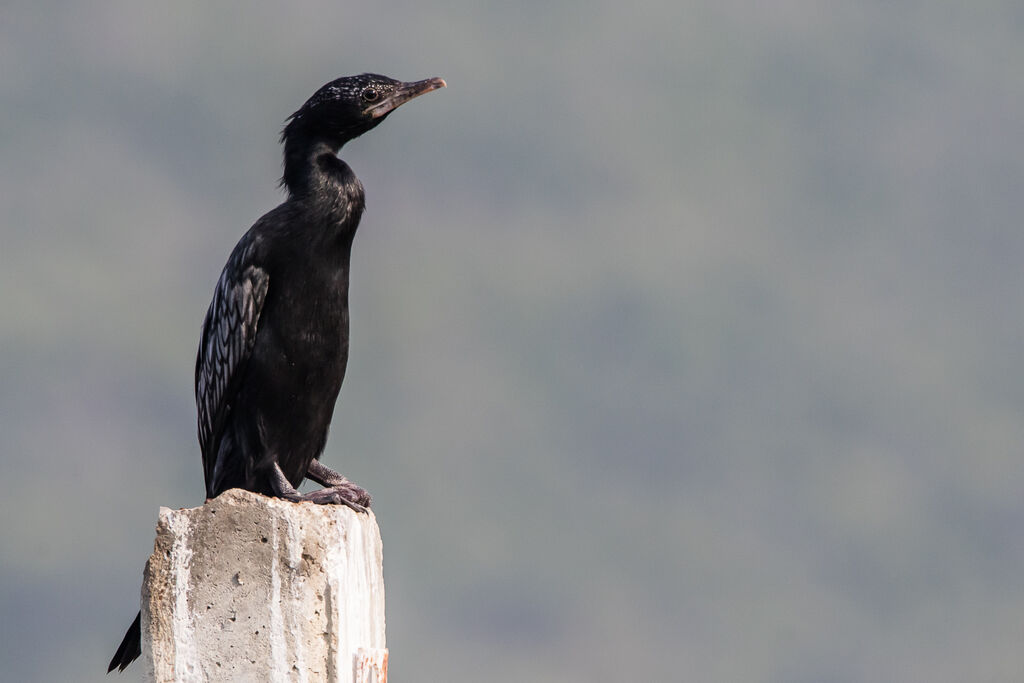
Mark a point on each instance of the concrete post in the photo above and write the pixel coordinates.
(250, 588)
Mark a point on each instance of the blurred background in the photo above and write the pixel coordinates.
(686, 336)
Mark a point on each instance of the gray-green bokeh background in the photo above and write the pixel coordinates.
(686, 336)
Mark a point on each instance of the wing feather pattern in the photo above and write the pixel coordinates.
(229, 332)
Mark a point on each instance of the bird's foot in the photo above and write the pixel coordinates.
(355, 497)
(340, 490)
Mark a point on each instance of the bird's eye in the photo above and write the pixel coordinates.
(369, 95)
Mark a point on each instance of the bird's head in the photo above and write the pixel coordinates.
(348, 107)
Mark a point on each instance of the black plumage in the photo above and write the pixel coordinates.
(274, 343)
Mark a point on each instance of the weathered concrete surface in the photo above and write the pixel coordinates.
(250, 588)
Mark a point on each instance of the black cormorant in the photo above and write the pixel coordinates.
(274, 344)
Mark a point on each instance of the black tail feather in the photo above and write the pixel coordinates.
(131, 646)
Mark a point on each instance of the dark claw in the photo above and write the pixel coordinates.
(340, 491)
(346, 494)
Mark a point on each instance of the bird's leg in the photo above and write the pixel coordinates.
(325, 476)
(331, 496)
(282, 487)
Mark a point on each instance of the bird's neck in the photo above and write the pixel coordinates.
(314, 174)
(304, 163)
